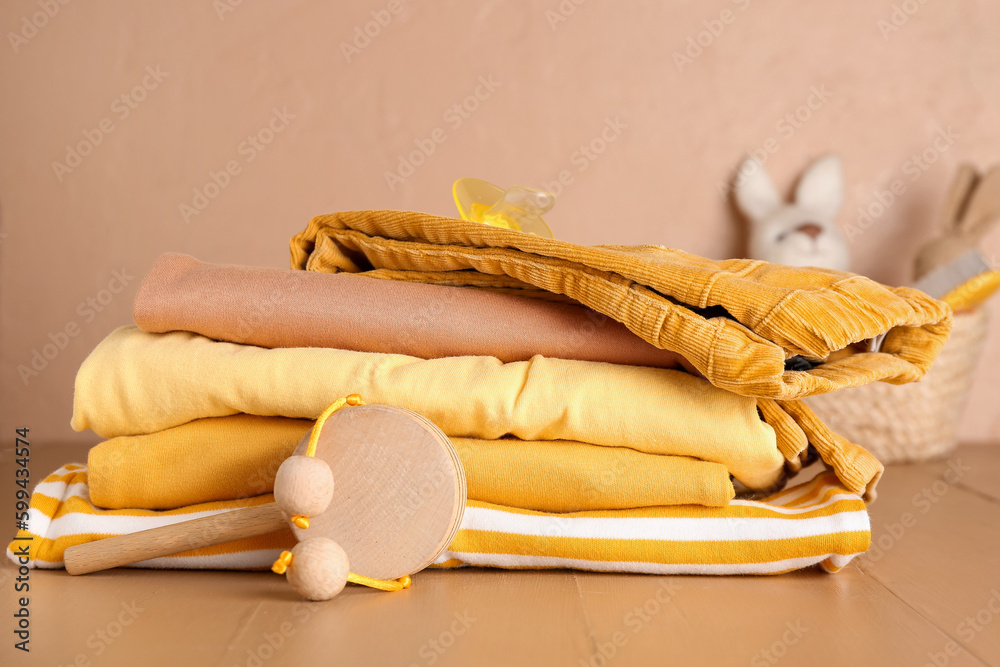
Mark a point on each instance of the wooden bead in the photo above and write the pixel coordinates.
(319, 568)
(303, 486)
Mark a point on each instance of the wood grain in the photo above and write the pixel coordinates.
(983, 477)
(400, 489)
(936, 546)
(399, 499)
(898, 609)
(176, 538)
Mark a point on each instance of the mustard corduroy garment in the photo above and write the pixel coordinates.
(736, 320)
(136, 383)
(234, 457)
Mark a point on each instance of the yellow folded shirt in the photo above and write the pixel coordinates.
(136, 383)
(226, 458)
(199, 462)
(562, 476)
(736, 320)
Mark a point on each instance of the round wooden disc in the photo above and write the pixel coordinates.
(399, 489)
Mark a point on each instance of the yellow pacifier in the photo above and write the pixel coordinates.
(519, 208)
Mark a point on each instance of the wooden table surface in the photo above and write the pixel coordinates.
(928, 592)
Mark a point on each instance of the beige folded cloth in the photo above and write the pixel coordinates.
(283, 308)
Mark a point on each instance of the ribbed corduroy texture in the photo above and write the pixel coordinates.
(660, 294)
(913, 422)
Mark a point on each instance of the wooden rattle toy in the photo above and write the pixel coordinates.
(399, 492)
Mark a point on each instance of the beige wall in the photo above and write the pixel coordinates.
(556, 84)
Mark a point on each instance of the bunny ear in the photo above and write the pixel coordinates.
(822, 186)
(755, 192)
(983, 207)
(965, 182)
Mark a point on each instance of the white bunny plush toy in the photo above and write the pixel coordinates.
(799, 234)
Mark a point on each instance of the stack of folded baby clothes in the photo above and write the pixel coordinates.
(615, 408)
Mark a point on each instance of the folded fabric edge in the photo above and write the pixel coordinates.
(833, 535)
(910, 362)
(830, 563)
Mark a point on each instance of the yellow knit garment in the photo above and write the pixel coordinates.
(774, 312)
(137, 383)
(561, 476)
(202, 461)
(232, 457)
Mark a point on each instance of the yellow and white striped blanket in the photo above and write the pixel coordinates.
(816, 522)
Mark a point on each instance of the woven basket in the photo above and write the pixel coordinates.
(916, 421)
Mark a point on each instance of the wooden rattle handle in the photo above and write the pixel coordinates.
(176, 538)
